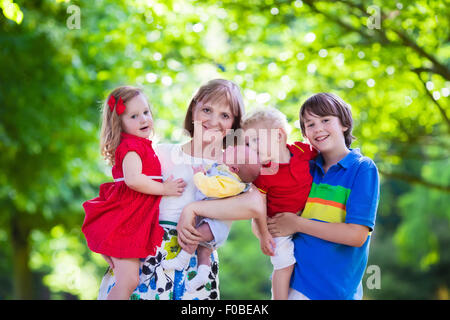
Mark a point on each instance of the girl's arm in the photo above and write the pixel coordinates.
(132, 173)
(245, 206)
(350, 234)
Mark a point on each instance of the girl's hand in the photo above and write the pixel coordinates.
(109, 260)
(173, 187)
(267, 244)
(283, 224)
(187, 234)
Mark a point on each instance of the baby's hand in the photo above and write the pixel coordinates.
(198, 169)
(267, 244)
(174, 187)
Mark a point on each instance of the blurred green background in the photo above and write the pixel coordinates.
(59, 59)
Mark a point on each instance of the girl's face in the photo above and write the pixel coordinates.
(325, 133)
(212, 120)
(265, 141)
(137, 118)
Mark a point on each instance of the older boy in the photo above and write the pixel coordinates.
(333, 234)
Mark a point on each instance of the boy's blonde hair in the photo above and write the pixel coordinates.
(274, 118)
(111, 123)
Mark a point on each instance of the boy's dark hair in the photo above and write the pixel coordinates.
(328, 104)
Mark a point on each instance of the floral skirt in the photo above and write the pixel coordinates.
(158, 284)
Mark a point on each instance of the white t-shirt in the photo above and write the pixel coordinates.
(174, 161)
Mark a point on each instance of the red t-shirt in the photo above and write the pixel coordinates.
(287, 190)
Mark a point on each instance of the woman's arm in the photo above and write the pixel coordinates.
(245, 206)
(132, 173)
(350, 234)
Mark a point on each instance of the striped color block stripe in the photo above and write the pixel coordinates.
(318, 211)
(329, 192)
(326, 203)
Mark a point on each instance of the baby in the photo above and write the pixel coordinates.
(240, 167)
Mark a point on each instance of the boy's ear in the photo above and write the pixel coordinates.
(344, 129)
(282, 134)
(234, 168)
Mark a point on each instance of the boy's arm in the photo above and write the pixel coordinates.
(259, 224)
(260, 230)
(350, 234)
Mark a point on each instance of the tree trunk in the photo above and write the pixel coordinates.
(22, 279)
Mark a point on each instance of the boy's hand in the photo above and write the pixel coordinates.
(174, 187)
(283, 224)
(267, 244)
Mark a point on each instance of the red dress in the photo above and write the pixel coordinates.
(121, 222)
(287, 190)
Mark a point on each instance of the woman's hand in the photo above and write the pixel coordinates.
(283, 224)
(187, 234)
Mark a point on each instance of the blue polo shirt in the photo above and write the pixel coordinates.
(347, 193)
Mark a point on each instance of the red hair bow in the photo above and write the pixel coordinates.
(120, 108)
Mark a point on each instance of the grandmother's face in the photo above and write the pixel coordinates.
(212, 120)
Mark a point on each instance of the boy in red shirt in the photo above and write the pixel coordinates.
(285, 181)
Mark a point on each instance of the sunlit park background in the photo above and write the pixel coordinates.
(59, 59)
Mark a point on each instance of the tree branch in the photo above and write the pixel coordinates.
(438, 67)
(418, 71)
(414, 180)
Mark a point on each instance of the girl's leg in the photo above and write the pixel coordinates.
(126, 272)
(280, 283)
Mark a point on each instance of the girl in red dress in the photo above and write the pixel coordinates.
(123, 221)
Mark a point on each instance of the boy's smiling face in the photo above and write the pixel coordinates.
(325, 133)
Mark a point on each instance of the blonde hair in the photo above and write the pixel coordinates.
(111, 123)
(273, 118)
(215, 91)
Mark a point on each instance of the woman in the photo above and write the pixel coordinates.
(216, 108)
